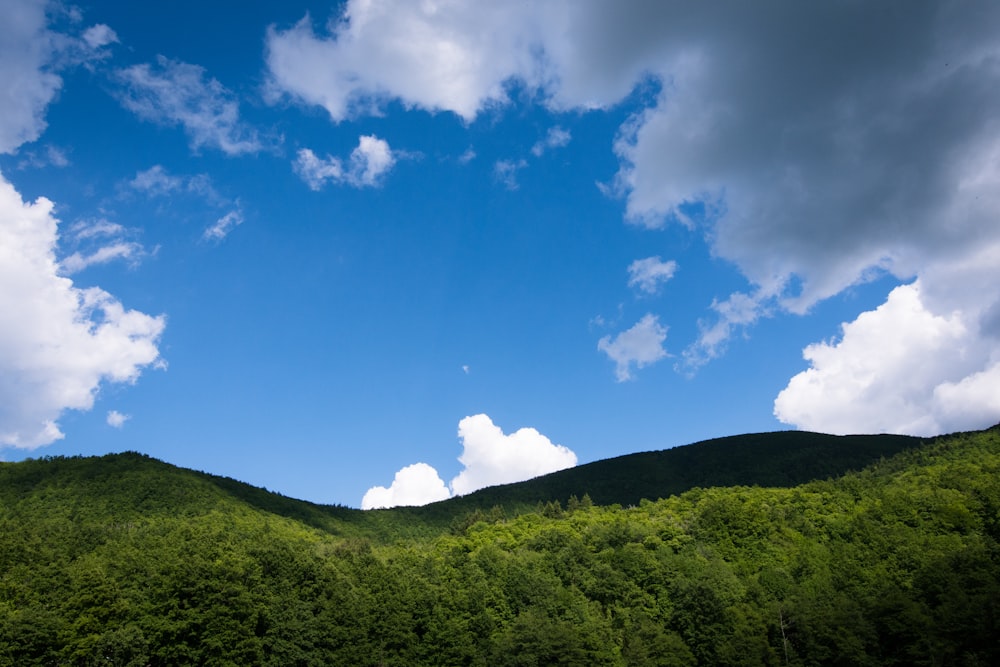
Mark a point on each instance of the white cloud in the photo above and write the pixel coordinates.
(640, 346)
(221, 228)
(58, 343)
(557, 137)
(649, 273)
(369, 161)
(489, 457)
(447, 56)
(116, 419)
(416, 484)
(177, 93)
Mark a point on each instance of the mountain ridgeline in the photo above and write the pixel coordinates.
(783, 548)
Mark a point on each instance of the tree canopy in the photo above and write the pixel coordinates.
(125, 560)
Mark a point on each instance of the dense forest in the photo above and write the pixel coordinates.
(772, 549)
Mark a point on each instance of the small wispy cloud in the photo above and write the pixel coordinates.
(170, 92)
(468, 156)
(505, 172)
(49, 156)
(223, 226)
(734, 314)
(100, 241)
(367, 164)
(648, 274)
(557, 137)
(638, 346)
(158, 182)
(116, 419)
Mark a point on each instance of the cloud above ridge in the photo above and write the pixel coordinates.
(489, 457)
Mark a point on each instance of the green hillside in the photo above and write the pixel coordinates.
(753, 550)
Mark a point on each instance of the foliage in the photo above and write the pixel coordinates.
(124, 560)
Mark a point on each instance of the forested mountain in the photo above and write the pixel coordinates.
(772, 549)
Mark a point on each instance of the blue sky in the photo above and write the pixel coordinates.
(382, 252)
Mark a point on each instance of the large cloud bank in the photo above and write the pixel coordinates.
(824, 145)
(489, 457)
(58, 342)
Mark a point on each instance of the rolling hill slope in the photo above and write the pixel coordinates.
(890, 555)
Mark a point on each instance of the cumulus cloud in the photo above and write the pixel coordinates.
(638, 346)
(901, 369)
(369, 161)
(416, 484)
(648, 274)
(58, 343)
(489, 457)
(557, 137)
(170, 92)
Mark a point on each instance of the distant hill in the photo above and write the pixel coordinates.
(136, 484)
(769, 549)
(779, 459)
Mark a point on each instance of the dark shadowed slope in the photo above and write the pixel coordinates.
(780, 459)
